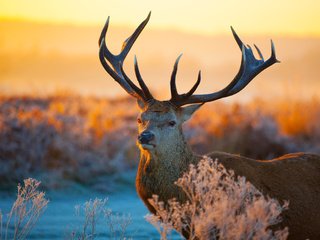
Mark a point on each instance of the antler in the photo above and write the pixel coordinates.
(249, 68)
(116, 62)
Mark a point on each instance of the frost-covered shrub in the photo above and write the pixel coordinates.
(220, 206)
(235, 129)
(25, 211)
(93, 213)
(96, 220)
(81, 138)
(65, 137)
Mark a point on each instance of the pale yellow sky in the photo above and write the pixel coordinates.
(283, 17)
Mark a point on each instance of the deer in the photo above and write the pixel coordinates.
(165, 154)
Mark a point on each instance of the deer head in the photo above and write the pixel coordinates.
(160, 121)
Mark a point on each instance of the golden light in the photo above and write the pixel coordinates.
(204, 16)
(52, 45)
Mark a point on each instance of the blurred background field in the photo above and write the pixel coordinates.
(77, 138)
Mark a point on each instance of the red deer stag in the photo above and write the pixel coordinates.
(165, 154)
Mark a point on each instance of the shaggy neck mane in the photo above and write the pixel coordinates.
(158, 171)
(178, 156)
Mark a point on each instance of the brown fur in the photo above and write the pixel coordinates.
(165, 155)
(293, 177)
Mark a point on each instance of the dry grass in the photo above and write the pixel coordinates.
(273, 128)
(93, 213)
(25, 211)
(30, 205)
(220, 206)
(80, 138)
(75, 138)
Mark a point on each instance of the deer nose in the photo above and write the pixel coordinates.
(145, 137)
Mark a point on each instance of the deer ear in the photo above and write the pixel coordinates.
(186, 112)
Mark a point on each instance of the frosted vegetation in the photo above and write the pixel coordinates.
(25, 211)
(64, 139)
(79, 139)
(31, 204)
(95, 211)
(221, 206)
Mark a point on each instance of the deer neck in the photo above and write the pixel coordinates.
(159, 169)
(172, 159)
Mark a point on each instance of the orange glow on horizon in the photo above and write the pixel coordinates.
(51, 46)
(252, 17)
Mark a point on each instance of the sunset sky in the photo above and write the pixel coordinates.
(52, 45)
(284, 17)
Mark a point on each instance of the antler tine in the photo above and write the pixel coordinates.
(273, 53)
(104, 31)
(173, 86)
(176, 98)
(132, 85)
(143, 86)
(116, 61)
(236, 37)
(116, 75)
(195, 86)
(111, 72)
(259, 52)
(128, 43)
(187, 98)
(249, 68)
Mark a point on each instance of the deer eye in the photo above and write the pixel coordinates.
(172, 123)
(139, 120)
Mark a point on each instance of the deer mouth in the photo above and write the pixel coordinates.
(147, 146)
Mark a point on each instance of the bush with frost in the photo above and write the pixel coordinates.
(25, 211)
(81, 138)
(95, 212)
(31, 203)
(220, 206)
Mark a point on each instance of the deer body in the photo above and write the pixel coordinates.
(165, 154)
(293, 177)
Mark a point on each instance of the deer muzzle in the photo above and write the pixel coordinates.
(146, 137)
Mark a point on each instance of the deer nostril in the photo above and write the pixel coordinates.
(145, 137)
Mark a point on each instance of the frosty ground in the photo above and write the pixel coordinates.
(60, 218)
